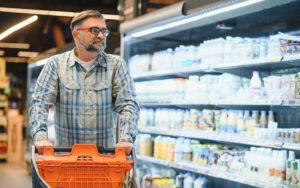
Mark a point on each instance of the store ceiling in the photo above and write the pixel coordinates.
(40, 33)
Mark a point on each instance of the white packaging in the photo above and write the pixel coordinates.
(200, 182)
(255, 85)
(188, 181)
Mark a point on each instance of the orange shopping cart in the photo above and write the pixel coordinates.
(86, 166)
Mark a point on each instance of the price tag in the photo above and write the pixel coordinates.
(274, 59)
(276, 144)
(292, 146)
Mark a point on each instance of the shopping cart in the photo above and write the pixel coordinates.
(84, 167)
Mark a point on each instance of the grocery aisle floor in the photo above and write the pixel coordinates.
(14, 176)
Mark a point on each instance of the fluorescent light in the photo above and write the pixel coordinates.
(18, 26)
(16, 59)
(53, 13)
(27, 54)
(2, 52)
(195, 18)
(14, 45)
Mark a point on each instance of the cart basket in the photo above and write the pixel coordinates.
(83, 167)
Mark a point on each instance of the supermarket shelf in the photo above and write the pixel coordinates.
(292, 60)
(291, 103)
(3, 157)
(206, 135)
(249, 106)
(291, 146)
(263, 65)
(180, 73)
(3, 125)
(3, 137)
(2, 130)
(205, 104)
(219, 104)
(170, 104)
(244, 68)
(189, 166)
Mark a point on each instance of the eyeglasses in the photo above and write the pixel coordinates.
(96, 30)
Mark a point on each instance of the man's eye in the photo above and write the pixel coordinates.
(95, 30)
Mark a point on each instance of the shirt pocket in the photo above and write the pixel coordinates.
(100, 96)
(98, 86)
(70, 94)
(71, 85)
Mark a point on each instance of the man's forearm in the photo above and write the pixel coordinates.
(38, 122)
(128, 123)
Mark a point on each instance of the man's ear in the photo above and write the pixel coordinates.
(75, 34)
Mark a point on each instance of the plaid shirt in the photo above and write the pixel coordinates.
(88, 104)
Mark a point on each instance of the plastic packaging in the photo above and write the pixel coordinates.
(188, 181)
(255, 85)
(200, 182)
(263, 119)
(289, 168)
(271, 116)
(179, 180)
(187, 150)
(178, 156)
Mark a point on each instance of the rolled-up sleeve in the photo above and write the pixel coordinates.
(125, 102)
(43, 97)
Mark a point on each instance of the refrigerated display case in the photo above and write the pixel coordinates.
(233, 37)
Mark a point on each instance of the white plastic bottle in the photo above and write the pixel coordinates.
(178, 152)
(223, 121)
(280, 172)
(188, 181)
(289, 168)
(255, 86)
(187, 150)
(200, 182)
(180, 180)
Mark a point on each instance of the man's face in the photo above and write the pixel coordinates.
(90, 41)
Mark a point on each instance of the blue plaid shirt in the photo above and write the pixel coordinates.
(88, 104)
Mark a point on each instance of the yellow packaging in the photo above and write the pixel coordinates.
(157, 147)
(146, 145)
(297, 86)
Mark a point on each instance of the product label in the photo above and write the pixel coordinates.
(297, 88)
(289, 173)
(281, 174)
(187, 156)
(272, 172)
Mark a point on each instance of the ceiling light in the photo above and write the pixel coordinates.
(27, 54)
(2, 52)
(16, 59)
(18, 26)
(53, 13)
(14, 45)
(195, 18)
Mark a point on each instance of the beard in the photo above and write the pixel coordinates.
(96, 46)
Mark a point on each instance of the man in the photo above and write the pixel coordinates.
(92, 92)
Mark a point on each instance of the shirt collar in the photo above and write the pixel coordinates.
(101, 60)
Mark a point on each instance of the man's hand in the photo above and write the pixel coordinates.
(127, 146)
(40, 145)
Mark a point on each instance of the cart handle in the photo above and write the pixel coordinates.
(101, 149)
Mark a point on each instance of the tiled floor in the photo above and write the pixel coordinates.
(14, 176)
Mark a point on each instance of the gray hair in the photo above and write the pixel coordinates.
(79, 18)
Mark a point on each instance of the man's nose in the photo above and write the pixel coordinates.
(100, 35)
